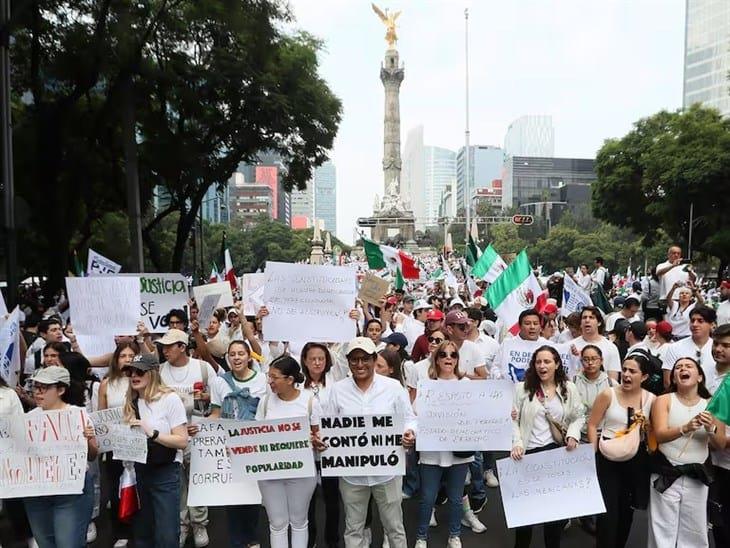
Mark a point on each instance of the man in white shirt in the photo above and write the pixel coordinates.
(673, 270)
(598, 275)
(723, 311)
(635, 336)
(366, 393)
(515, 353)
(488, 347)
(414, 326)
(629, 312)
(591, 324)
(697, 346)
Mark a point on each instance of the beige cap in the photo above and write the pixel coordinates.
(174, 336)
(52, 375)
(361, 343)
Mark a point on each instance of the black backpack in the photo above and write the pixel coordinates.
(655, 382)
(607, 282)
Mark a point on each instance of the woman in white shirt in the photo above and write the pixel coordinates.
(160, 413)
(680, 310)
(286, 500)
(681, 470)
(549, 413)
(443, 465)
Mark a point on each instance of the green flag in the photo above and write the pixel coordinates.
(78, 269)
(598, 296)
(472, 252)
(399, 281)
(719, 405)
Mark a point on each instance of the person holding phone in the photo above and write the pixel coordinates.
(672, 271)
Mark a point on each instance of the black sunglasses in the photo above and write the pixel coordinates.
(452, 355)
(436, 340)
(132, 372)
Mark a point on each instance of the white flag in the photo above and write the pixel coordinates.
(10, 347)
(574, 296)
(98, 264)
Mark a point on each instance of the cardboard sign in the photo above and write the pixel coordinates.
(104, 421)
(364, 445)
(464, 415)
(211, 479)
(372, 289)
(99, 265)
(550, 486)
(271, 449)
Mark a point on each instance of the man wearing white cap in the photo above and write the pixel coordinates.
(414, 326)
(365, 393)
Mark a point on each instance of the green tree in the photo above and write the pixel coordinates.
(506, 239)
(649, 179)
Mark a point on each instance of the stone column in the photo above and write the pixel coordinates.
(391, 74)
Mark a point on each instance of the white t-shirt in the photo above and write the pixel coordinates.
(488, 348)
(514, 357)
(686, 348)
(273, 407)
(599, 275)
(611, 357)
(219, 388)
(419, 372)
(182, 379)
(723, 312)
(163, 415)
(470, 357)
(680, 319)
(541, 434)
(666, 281)
(586, 282)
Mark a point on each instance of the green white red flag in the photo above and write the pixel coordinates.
(383, 256)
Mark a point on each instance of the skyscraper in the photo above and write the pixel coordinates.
(412, 178)
(302, 207)
(439, 173)
(325, 196)
(530, 136)
(707, 54)
(485, 164)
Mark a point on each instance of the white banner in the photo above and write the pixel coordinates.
(98, 264)
(574, 296)
(550, 486)
(128, 443)
(271, 449)
(365, 445)
(211, 479)
(309, 302)
(42, 453)
(252, 292)
(160, 293)
(104, 421)
(464, 415)
(10, 347)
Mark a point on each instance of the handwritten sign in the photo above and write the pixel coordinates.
(317, 299)
(271, 449)
(252, 292)
(128, 443)
(97, 264)
(104, 421)
(206, 308)
(366, 445)
(10, 347)
(464, 416)
(550, 486)
(222, 289)
(372, 289)
(160, 293)
(211, 479)
(43, 453)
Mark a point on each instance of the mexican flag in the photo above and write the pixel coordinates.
(719, 405)
(383, 256)
(517, 289)
(472, 249)
(228, 274)
(489, 266)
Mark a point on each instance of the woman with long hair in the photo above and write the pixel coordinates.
(389, 364)
(286, 500)
(549, 414)
(420, 369)
(159, 412)
(624, 484)
(446, 466)
(373, 330)
(61, 520)
(678, 312)
(681, 469)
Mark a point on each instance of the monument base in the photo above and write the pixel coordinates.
(391, 228)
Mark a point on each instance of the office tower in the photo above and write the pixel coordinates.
(485, 165)
(439, 173)
(325, 196)
(530, 136)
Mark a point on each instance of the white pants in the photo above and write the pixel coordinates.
(388, 496)
(287, 504)
(678, 516)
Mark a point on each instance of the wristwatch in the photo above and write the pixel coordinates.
(155, 434)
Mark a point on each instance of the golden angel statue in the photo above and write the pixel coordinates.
(388, 20)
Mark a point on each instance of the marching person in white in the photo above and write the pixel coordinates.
(681, 471)
(697, 346)
(286, 500)
(672, 271)
(591, 325)
(366, 393)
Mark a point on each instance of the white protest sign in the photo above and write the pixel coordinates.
(211, 479)
(104, 420)
(99, 265)
(252, 292)
(222, 289)
(464, 415)
(271, 449)
(10, 347)
(550, 486)
(3, 306)
(43, 453)
(574, 296)
(317, 299)
(102, 307)
(366, 445)
(206, 308)
(160, 293)
(128, 443)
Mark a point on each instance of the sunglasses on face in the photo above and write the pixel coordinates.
(41, 387)
(462, 326)
(131, 372)
(452, 355)
(435, 340)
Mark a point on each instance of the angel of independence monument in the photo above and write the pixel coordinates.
(392, 215)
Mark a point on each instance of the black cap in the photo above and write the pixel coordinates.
(144, 362)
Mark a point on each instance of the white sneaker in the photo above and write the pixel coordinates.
(491, 479)
(91, 533)
(200, 536)
(432, 522)
(368, 536)
(121, 543)
(421, 543)
(386, 543)
(184, 531)
(454, 542)
(470, 520)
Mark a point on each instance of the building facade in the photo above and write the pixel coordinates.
(439, 173)
(485, 165)
(530, 136)
(707, 54)
(325, 196)
(413, 177)
(250, 200)
(214, 207)
(302, 207)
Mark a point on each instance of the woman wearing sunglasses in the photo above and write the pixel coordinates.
(420, 369)
(438, 466)
(160, 413)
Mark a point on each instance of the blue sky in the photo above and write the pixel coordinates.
(595, 66)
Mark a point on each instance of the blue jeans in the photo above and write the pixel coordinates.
(411, 480)
(431, 477)
(243, 521)
(478, 487)
(60, 521)
(157, 524)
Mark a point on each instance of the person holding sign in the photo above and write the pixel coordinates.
(366, 393)
(286, 500)
(624, 483)
(681, 469)
(549, 414)
(61, 520)
(160, 413)
(446, 466)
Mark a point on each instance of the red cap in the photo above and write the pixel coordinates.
(392, 300)
(434, 314)
(725, 284)
(456, 317)
(664, 329)
(550, 308)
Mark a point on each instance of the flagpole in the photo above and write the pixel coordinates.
(467, 149)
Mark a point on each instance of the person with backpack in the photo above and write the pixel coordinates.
(236, 395)
(601, 276)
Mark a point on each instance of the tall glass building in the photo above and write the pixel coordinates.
(440, 172)
(707, 54)
(325, 196)
(485, 165)
(530, 136)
